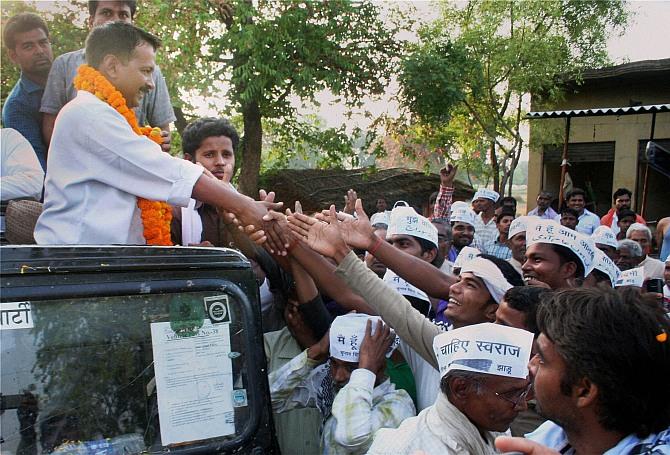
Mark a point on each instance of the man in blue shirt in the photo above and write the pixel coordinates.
(26, 37)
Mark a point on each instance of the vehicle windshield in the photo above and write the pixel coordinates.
(122, 374)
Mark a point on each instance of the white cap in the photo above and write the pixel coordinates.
(490, 274)
(380, 218)
(518, 225)
(460, 211)
(484, 348)
(631, 277)
(403, 287)
(539, 230)
(607, 266)
(605, 236)
(466, 255)
(405, 221)
(347, 333)
(485, 193)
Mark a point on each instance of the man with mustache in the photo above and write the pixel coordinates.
(26, 38)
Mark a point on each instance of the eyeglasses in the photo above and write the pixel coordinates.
(514, 397)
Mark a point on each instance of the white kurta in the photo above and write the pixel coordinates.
(97, 167)
(438, 430)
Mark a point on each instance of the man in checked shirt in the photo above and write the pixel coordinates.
(350, 360)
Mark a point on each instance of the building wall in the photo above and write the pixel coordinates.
(626, 131)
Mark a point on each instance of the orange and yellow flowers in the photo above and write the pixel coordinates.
(156, 216)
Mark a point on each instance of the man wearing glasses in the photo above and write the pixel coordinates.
(484, 386)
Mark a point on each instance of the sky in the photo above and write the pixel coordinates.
(645, 38)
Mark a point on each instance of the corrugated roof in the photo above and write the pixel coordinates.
(600, 111)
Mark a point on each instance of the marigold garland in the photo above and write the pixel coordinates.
(156, 216)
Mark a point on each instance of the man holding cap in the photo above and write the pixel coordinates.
(556, 255)
(365, 400)
(484, 385)
(484, 204)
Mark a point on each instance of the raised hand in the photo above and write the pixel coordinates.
(296, 324)
(323, 236)
(357, 232)
(447, 175)
(350, 201)
(321, 350)
(372, 355)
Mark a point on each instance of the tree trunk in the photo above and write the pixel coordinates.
(251, 150)
(495, 167)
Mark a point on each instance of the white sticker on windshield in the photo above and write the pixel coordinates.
(16, 315)
(194, 379)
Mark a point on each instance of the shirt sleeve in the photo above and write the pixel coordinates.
(55, 91)
(134, 164)
(358, 418)
(443, 203)
(290, 387)
(159, 111)
(410, 325)
(22, 175)
(19, 117)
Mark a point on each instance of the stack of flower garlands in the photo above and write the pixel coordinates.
(156, 216)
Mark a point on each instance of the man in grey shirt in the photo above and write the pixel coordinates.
(155, 110)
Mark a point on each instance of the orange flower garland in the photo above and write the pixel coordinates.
(156, 216)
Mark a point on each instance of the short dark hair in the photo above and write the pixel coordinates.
(508, 271)
(610, 337)
(21, 23)
(202, 128)
(429, 246)
(505, 212)
(623, 213)
(116, 38)
(508, 199)
(621, 192)
(565, 254)
(526, 299)
(93, 7)
(575, 192)
(570, 211)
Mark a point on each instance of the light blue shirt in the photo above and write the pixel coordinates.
(551, 435)
(588, 222)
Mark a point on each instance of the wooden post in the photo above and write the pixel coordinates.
(646, 168)
(564, 162)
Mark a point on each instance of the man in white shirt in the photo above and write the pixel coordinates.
(21, 175)
(481, 393)
(486, 230)
(653, 268)
(100, 166)
(587, 221)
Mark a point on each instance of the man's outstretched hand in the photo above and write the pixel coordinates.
(522, 445)
(357, 232)
(323, 236)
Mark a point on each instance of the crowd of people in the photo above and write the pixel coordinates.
(469, 330)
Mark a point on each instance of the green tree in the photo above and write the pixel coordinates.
(475, 67)
(260, 58)
(267, 54)
(65, 31)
